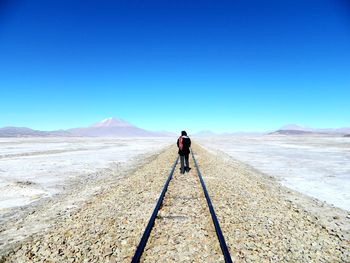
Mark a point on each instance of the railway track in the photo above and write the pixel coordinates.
(159, 207)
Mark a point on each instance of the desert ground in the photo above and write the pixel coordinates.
(316, 165)
(56, 175)
(96, 196)
(35, 168)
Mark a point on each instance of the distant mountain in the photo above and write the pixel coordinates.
(110, 127)
(290, 132)
(347, 135)
(112, 122)
(27, 132)
(20, 132)
(343, 130)
(205, 133)
(295, 129)
(113, 127)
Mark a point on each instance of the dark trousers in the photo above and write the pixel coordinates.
(183, 159)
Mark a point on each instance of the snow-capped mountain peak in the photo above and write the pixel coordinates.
(296, 127)
(112, 122)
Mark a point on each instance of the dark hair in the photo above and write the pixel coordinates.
(183, 133)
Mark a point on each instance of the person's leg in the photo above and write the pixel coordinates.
(187, 163)
(182, 159)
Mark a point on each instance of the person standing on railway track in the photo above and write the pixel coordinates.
(184, 144)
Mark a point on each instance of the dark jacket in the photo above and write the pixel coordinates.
(186, 142)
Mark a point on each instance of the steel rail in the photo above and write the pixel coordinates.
(146, 234)
(221, 238)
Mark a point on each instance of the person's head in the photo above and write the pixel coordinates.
(183, 133)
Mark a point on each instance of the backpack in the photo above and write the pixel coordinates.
(180, 143)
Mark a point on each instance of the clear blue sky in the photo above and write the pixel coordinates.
(172, 65)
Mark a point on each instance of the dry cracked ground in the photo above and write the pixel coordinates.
(261, 220)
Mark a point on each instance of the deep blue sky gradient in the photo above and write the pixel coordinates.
(172, 65)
